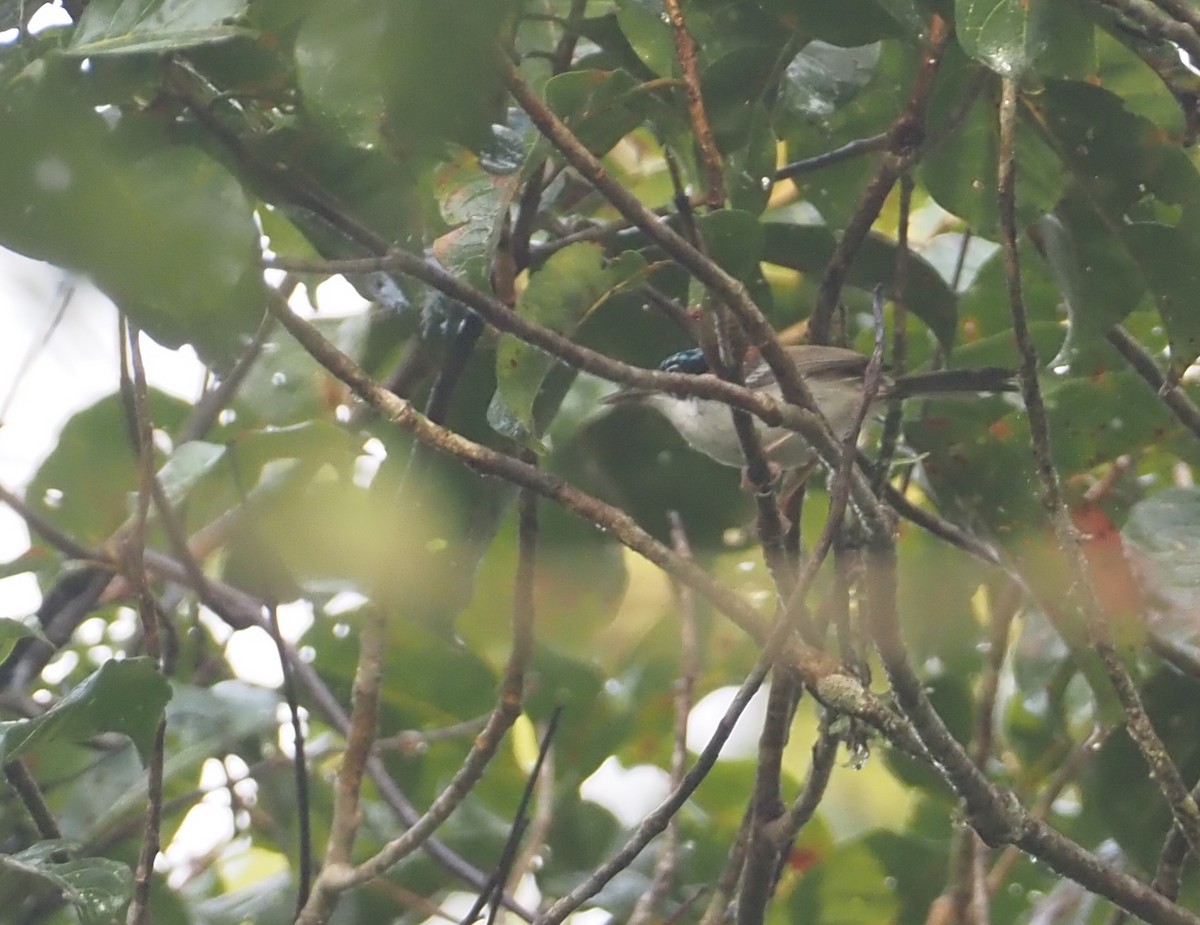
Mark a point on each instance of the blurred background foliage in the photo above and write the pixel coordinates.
(160, 148)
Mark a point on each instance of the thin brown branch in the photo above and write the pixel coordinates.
(687, 54)
(758, 876)
(762, 851)
(27, 791)
(1161, 21)
(816, 782)
(205, 412)
(895, 414)
(505, 319)
(63, 542)
(967, 892)
(506, 870)
(364, 721)
(689, 669)
(718, 910)
(483, 459)
(1186, 411)
(904, 139)
(841, 486)
(134, 387)
(299, 765)
(415, 741)
(512, 692)
(1067, 770)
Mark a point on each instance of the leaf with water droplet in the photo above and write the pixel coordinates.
(98, 888)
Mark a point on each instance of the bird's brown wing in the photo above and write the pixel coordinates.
(811, 360)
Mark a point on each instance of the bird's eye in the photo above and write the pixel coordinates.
(686, 361)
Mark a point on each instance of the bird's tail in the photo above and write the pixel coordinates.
(954, 381)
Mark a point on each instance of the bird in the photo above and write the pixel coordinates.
(835, 376)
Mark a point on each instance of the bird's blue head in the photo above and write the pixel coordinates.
(685, 361)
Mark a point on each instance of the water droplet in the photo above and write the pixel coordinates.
(278, 378)
(53, 498)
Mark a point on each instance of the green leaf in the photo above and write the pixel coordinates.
(120, 696)
(823, 78)
(848, 888)
(648, 35)
(1169, 261)
(1095, 274)
(1014, 37)
(601, 107)
(571, 285)
(807, 248)
(98, 888)
(163, 229)
(961, 173)
(12, 632)
(110, 27)
(1125, 163)
(851, 23)
(749, 170)
(1160, 531)
(451, 45)
(340, 67)
(473, 202)
(82, 485)
(734, 240)
(186, 466)
(731, 87)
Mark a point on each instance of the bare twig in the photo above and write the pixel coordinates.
(133, 385)
(804, 807)
(904, 139)
(967, 892)
(718, 910)
(1174, 397)
(364, 721)
(512, 689)
(30, 795)
(689, 668)
(762, 850)
(686, 53)
(299, 764)
(891, 426)
(505, 867)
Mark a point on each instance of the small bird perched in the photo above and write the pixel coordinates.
(836, 378)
